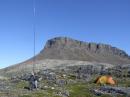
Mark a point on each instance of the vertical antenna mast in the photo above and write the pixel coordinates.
(34, 36)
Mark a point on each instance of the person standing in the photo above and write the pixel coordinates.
(35, 81)
(32, 81)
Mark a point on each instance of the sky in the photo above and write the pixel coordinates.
(100, 21)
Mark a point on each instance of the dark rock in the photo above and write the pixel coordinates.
(111, 90)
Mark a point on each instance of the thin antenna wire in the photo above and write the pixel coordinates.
(34, 31)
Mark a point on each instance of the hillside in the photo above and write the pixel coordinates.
(66, 51)
(70, 49)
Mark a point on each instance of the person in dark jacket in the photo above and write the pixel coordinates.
(36, 81)
(32, 81)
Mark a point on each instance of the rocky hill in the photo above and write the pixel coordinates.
(63, 50)
(70, 49)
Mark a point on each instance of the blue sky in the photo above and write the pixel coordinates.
(100, 21)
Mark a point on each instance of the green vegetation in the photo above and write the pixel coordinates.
(21, 84)
(75, 87)
(78, 89)
(25, 96)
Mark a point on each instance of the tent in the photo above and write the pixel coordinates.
(105, 80)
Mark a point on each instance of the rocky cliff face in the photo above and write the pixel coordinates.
(70, 49)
